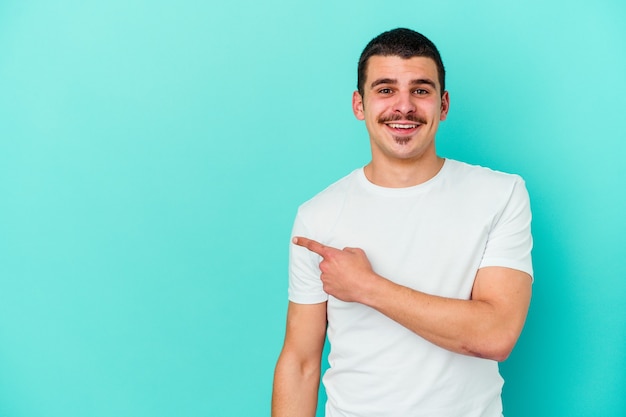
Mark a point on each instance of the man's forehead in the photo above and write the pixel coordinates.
(394, 66)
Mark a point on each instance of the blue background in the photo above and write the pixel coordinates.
(153, 154)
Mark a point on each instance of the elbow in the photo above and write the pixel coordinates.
(502, 354)
(496, 349)
(502, 347)
(505, 344)
(303, 368)
(311, 370)
(494, 353)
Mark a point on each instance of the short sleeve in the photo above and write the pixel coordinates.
(510, 240)
(305, 285)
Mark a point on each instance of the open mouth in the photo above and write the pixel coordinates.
(402, 129)
(402, 126)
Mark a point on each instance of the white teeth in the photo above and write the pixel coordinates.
(399, 126)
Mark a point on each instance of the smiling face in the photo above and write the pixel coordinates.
(402, 105)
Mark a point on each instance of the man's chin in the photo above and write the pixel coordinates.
(402, 140)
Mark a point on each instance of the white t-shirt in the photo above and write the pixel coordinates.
(432, 237)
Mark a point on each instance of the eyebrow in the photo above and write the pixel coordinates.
(383, 81)
(420, 81)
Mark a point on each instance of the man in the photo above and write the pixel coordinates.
(418, 267)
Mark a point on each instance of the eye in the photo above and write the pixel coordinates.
(420, 91)
(385, 91)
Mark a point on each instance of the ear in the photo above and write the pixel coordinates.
(357, 106)
(445, 105)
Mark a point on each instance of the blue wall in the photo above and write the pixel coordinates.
(153, 154)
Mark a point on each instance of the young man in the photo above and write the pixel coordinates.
(418, 267)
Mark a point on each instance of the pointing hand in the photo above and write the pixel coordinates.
(346, 273)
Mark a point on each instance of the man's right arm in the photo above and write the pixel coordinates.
(297, 375)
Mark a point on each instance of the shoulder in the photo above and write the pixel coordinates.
(464, 172)
(481, 180)
(320, 213)
(478, 188)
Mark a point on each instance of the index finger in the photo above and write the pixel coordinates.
(310, 244)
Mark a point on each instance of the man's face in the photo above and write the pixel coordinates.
(401, 105)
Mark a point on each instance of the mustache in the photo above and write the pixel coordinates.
(406, 117)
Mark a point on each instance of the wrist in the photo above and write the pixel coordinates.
(372, 285)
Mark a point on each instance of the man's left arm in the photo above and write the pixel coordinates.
(487, 325)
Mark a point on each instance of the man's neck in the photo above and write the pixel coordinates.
(402, 174)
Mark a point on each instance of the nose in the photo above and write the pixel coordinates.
(404, 103)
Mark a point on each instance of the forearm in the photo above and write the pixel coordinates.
(480, 328)
(486, 326)
(295, 388)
